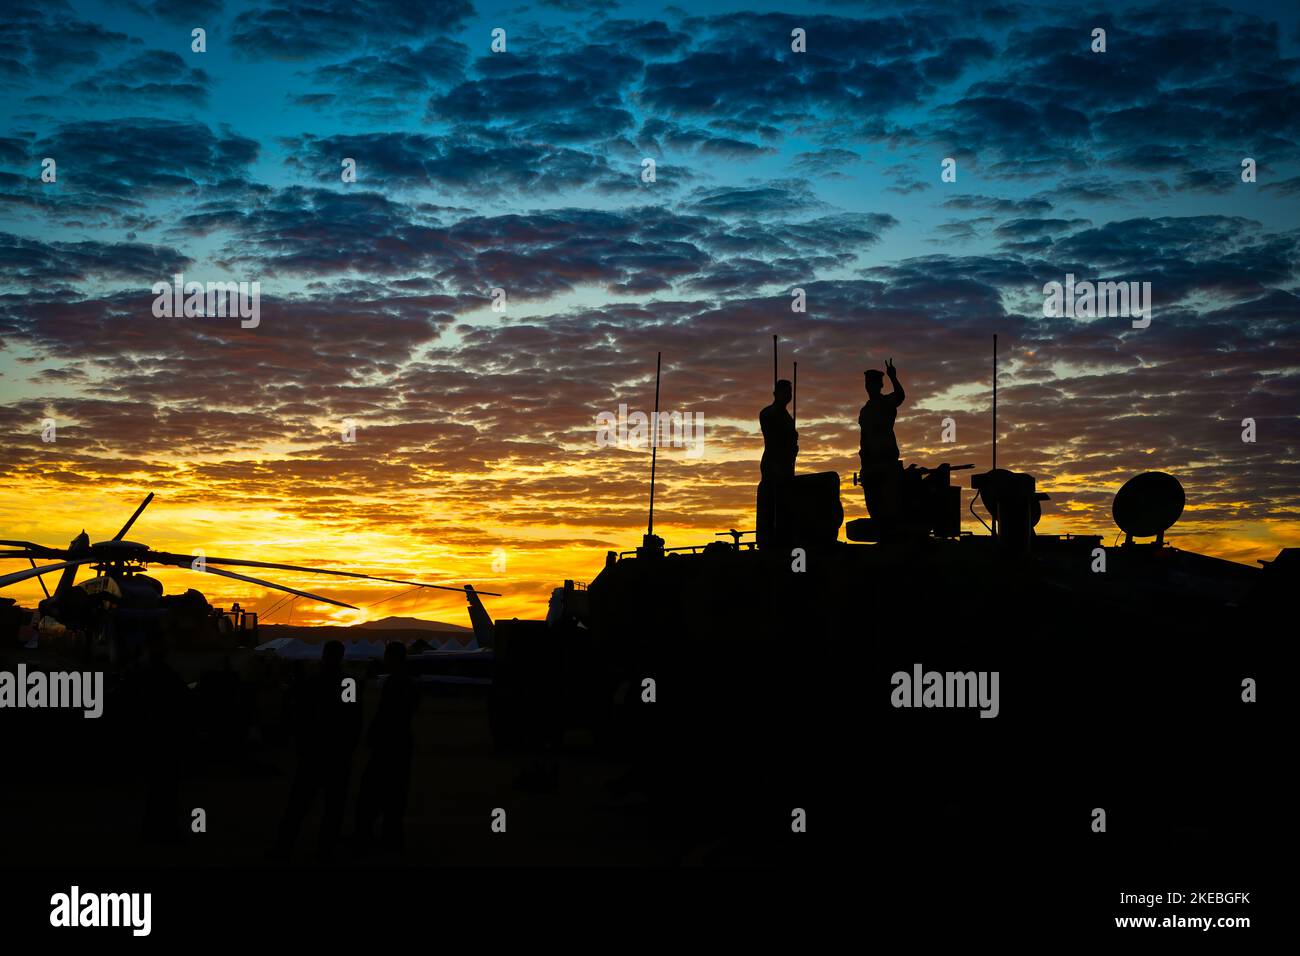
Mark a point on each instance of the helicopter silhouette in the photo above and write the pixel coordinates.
(122, 584)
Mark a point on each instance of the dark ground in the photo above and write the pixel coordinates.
(87, 811)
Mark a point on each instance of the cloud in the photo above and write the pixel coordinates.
(285, 30)
(1219, 255)
(999, 205)
(1022, 228)
(156, 75)
(1168, 89)
(660, 136)
(649, 38)
(1287, 187)
(138, 154)
(785, 199)
(824, 161)
(45, 42)
(733, 72)
(111, 168)
(184, 12)
(29, 263)
(395, 73)
(517, 89)
(456, 163)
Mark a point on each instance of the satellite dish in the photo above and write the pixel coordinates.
(1148, 505)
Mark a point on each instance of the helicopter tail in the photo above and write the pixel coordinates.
(79, 544)
(484, 629)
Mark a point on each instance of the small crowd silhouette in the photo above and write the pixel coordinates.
(328, 730)
(164, 717)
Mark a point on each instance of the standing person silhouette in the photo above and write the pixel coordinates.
(882, 472)
(780, 448)
(387, 777)
(328, 727)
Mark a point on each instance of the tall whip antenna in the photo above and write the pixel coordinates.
(994, 515)
(654, 446)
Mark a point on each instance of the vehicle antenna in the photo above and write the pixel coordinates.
(654, 447)
(995, 421)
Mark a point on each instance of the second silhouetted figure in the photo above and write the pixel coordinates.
(882, 472)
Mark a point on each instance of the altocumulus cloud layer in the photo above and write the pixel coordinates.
(522, 170)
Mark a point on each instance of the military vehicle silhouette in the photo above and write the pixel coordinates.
(742, 683)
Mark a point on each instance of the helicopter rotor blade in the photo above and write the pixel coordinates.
(278, 587)
(179, 559)
(127, 527)
(17, 576)
(37, 549)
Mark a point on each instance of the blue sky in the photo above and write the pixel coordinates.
(256, 82)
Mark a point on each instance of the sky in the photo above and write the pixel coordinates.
(475, 455)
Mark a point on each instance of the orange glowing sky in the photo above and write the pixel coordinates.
(524, 520)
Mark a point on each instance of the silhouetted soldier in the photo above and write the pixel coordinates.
(882, 472)
(327, 733)
(780, 448)
(387, 778)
